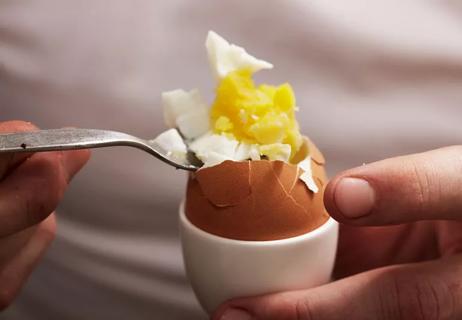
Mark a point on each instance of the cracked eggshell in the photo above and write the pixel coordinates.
(307, 175)
(255, 200)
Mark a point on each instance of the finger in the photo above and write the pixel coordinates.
(9, 161)
(32, 191)
(365, 248)
(449, 237)
(15, 273)
(10, 245)
(423, 186)
(428, 290)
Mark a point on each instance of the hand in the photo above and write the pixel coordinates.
(31, 185)
(398, 249)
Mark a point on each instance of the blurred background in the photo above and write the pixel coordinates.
(373, 79)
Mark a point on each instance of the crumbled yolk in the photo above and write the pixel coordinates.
(262, 115)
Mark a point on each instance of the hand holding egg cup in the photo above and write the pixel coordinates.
(253, 221)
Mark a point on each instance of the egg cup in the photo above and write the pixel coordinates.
(220, 269)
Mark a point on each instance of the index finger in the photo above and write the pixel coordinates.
(9, 161)
(425, 186)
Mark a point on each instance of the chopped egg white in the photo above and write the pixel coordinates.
(245, 151)
(172, 143)
(193, 125)
(186, 111)
(307, 175)
(211, 147)
(254, 153)
(225, 57)
(213, 159)
(276, 151)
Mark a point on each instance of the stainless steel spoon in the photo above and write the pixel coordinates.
(73, 138)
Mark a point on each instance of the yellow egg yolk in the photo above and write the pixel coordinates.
(261, 115)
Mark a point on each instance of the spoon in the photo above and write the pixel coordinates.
(74, 138)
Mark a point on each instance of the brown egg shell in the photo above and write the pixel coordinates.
(256, 200)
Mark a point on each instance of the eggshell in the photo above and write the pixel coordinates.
(257, 200)
(307, 175)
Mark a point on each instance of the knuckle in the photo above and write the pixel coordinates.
(430, 183)
(422, 178)
(419, 299)
(289, 305)
(303, 310)
(388, 299)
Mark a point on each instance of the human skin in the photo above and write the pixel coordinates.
(399, 247)
(31, 186)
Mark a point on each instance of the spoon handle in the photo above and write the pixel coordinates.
(64, 139)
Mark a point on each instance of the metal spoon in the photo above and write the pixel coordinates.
(73, 138)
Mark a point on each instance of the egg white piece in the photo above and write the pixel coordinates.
(211, 147)
(245, 151)
(307, 175)
(193, 124)
(213, 159)
(254, 153)
(186, 111)
(276, 151)
(172, 143)
(225, 57)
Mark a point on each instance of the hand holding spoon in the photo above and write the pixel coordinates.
(75, 138)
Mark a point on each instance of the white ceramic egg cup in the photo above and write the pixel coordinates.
(220, 268)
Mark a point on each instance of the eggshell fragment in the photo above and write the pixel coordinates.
(307, 175)
(255, 200)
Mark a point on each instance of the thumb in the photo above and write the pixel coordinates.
(425, 186)
(429, 290)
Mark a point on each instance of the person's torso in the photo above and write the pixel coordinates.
(372, 80)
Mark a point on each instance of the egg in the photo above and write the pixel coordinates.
(260, 180)
(258, 200)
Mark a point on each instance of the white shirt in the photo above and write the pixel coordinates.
(373, 79)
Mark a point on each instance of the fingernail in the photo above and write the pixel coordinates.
(354, 197)
(236, 314)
